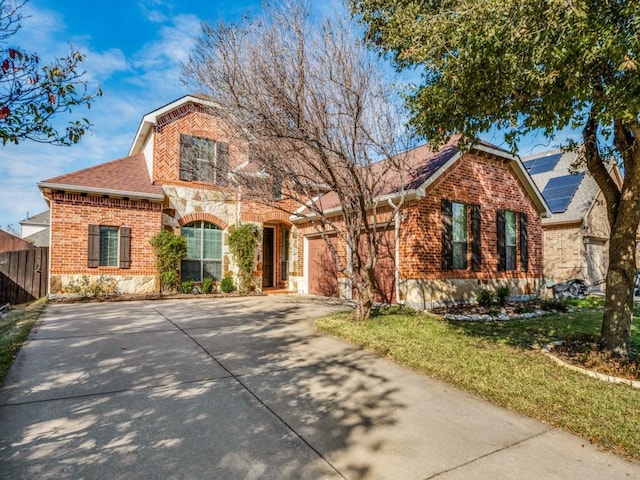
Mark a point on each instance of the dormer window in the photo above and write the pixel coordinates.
(203, 160)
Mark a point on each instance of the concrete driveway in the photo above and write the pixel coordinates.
(244, 388)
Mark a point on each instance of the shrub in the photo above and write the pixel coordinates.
(226, 285)
(207, 285)
(187, 286)
(243, 241)
(485, 297)
(552, 304)
(169, 250)
(502, 295)
(101, 287)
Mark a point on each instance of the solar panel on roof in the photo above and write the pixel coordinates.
(560, 190)
(542, 164)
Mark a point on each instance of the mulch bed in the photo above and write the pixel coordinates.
(585, 354)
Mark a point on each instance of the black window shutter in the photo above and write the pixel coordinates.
(125, 247)
(93, 246)
(222, 163)
(447, 235)
(187, 160)
(502, 249)
(476, 232)
(524, 243)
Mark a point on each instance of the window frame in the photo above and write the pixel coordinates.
(203, 160)
(109, 253)
(199, 226)
(95, 250)
(460, 255)
(510, 224)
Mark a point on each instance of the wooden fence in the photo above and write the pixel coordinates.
(23, 275)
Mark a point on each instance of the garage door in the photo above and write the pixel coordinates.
(321, 269)
(323, 278)
(385, 286)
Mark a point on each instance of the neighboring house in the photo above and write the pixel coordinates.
(576, 236)
(35, 229)
(471, 220)
(12, 243)
(174, 178)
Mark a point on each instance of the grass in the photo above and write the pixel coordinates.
(501, 362)
(14, 329)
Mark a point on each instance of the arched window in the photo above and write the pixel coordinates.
(204, 251)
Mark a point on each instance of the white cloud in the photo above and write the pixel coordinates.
(101, 66)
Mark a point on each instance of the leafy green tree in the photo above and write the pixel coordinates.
(525, 65)
(33, 94)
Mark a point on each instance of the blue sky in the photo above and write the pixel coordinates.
(134, 49)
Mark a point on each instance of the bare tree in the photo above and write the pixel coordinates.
(322, 123)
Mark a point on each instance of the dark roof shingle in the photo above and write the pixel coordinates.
(127, 175)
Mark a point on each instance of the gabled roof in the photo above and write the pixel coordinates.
(125, 177)
(570, 196)
(42, 218)
(427, 165)
(39, 239)
(150, 119)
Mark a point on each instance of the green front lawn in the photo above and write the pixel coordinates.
(501, 361)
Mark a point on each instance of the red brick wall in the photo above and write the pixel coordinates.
(70, 216)
(472, 180)
(166, 162)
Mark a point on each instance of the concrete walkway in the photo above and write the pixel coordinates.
(244, 388)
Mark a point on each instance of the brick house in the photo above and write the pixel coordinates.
(471, 220)
(576, 236)
(175, 178)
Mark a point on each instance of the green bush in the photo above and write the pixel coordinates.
(187, 286)
(552, 304)
(169, 250)
(226, 285)
(485, 297)
(502, 295)
(243, 241)
(208, 285)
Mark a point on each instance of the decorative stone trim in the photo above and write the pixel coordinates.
(548, 351)
(502, 317)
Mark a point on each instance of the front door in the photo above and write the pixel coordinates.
(267, 256)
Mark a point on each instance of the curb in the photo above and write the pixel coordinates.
(548, 351)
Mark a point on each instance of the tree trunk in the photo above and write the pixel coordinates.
(618, 309)
(365, 294)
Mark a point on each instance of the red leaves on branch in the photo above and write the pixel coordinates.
(4, 112)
